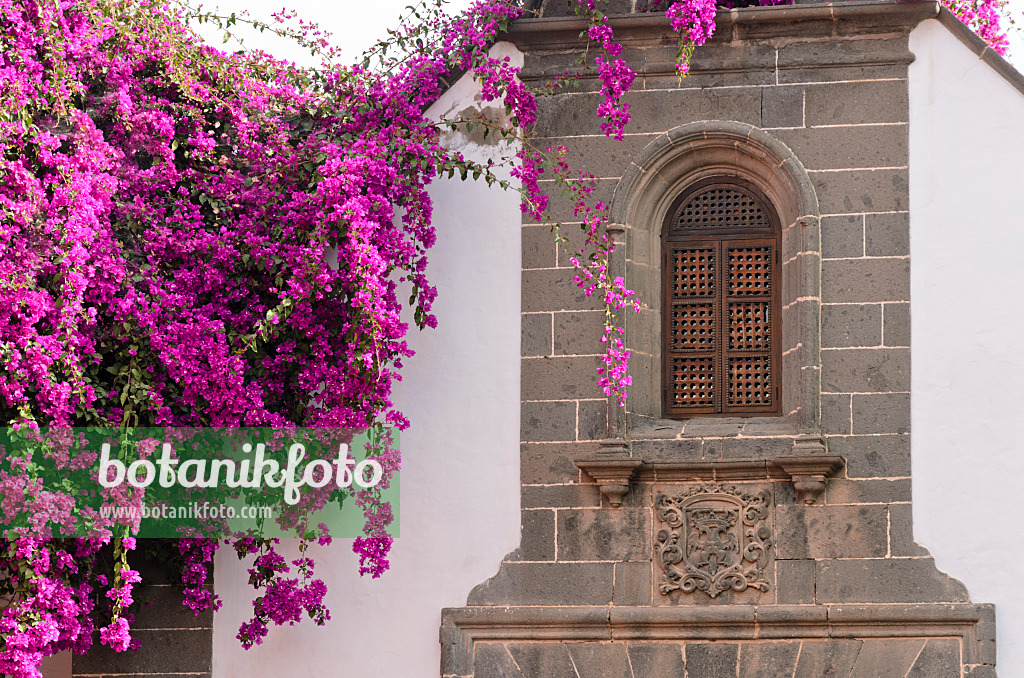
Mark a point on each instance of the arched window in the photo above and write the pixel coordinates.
(721, 332)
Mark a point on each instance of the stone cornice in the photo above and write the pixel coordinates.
(840, 20)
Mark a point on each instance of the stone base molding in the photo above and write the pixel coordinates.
(933, 640)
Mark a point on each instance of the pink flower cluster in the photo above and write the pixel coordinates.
(694, 20)
(374, 548)
(616, 79)
(51, 597)
(984, 17)
(283, 600)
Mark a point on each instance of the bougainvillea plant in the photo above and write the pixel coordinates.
(192, 238)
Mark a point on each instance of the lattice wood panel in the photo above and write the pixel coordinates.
(721, 207)
(750, 271)
(694, 273)
(750, 382)
(693, 382)
(693, 327)
(750, 325)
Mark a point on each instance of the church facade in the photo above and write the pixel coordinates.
(748, 513)
(825, 174)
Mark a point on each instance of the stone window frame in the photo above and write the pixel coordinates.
(679, 158)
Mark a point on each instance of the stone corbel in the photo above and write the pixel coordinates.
(613, 469)
(809, 473)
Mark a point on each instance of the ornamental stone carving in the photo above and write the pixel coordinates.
(713, 538)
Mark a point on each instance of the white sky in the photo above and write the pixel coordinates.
(357, 24)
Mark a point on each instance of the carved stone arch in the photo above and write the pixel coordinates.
(667, 166)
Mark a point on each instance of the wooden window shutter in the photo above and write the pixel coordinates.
(721, 303)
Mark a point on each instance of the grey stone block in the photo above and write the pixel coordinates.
(550, 463)
(160, 651)
(659, 111)
(560, 378)
(867, 491)
(831, 531)
(568, 113)
(712, 660)
(887, 235)
(873, 456)
(560, 496)
(826, 658)
(755, 448)
(768, 659)
(842, 236)
(846, 325)
(886, 658)
(554, 290)
(940, 658)
(600, 660)
(714, 428)
(835, 413)
(536, 334)
(538, 247)
(856, 280)
(881, 413)
(633, 584)
(562, 204)
(546, 584)
(828, 148)
(549, 421)
(857, 103)
(865, 370)
(688, 449)
(896, 324)
(654, 660)
(604, 534)
(579, 333)
(537, 536)
(901, 532)
(847, 191)
(782, 106)
(599, 155)
(542, 660)
(162, 609)
(593, 420)
(795, 582)
(885, 580)
(492, 660)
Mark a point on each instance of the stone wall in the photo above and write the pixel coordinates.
(174, 642)
(809, 104)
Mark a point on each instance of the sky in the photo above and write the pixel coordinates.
(357, 24)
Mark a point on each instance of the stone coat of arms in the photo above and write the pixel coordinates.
(713, 538)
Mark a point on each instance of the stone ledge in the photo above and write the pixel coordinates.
(461, 628)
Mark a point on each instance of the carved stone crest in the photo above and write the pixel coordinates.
(713, 538)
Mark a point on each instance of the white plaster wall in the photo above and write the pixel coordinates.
(460, 476)
(967, 279)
